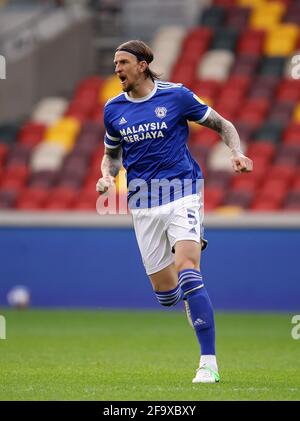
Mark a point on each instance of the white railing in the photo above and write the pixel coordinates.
(91, 219)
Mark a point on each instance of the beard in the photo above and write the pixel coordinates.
(128, 88)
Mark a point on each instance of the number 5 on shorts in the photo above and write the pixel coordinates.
(192, 218)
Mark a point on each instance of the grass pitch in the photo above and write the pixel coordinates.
(126, 355)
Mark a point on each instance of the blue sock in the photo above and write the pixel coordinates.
(201, 310)
(169, 298)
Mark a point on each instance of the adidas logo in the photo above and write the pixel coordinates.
(122, 121)
(199, 322)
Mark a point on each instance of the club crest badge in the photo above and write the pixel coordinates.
(161, 112)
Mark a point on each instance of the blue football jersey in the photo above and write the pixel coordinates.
(153, 134)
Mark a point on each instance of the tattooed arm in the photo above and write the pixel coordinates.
(111, 162)
(110, 167)
(230, 136)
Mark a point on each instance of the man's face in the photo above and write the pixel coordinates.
(128, 69)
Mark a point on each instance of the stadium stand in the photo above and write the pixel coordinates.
(238, 60)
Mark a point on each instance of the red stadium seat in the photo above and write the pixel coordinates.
(63, 193)
(60, 198)
(253, 117)
(206, 88)
(15, 175)
(206, 136)
(12, 183)
(200, 35)
(97, 114)
(273, 188)
(240, 198)
(184, 74)
(281, 172)
(78, 114)
(28, 204)
(32, 139)
(17, 170)
(218, 179)
(261, 151)
(235, 93)
(260, 167)
(251, 42)
(226, 103)
(213, 195)
(296, 183)
(43, 179)
(90, 182)
(87, 193)
(32, 133)
(288, 90)
(241, 82)
(84, 205)
(94, 168)
(57, 205)
(194, 46)
(3, 153)
(250, 115)
(225, 112)
(271, 195)
(35, 195)
(244, 130)
(265, 205)
(288, 154)
(86, 198)
(192, 52)
(208, 207)
(291, 135)
(264, 86)
(8, 197)
(92, 83)
(86, 96)
(244, 182)
(260, 105)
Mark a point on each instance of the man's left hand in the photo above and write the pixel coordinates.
(241, 163)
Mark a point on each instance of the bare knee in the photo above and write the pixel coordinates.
(186, 263)
(164, 280)
(187, 255)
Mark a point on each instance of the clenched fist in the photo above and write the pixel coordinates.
(241, 163)
(104, 183)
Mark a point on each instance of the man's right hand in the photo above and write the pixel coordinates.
(104, 183)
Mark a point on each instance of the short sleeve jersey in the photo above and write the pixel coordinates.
(153, 133)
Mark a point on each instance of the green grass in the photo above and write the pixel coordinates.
(110, 355)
